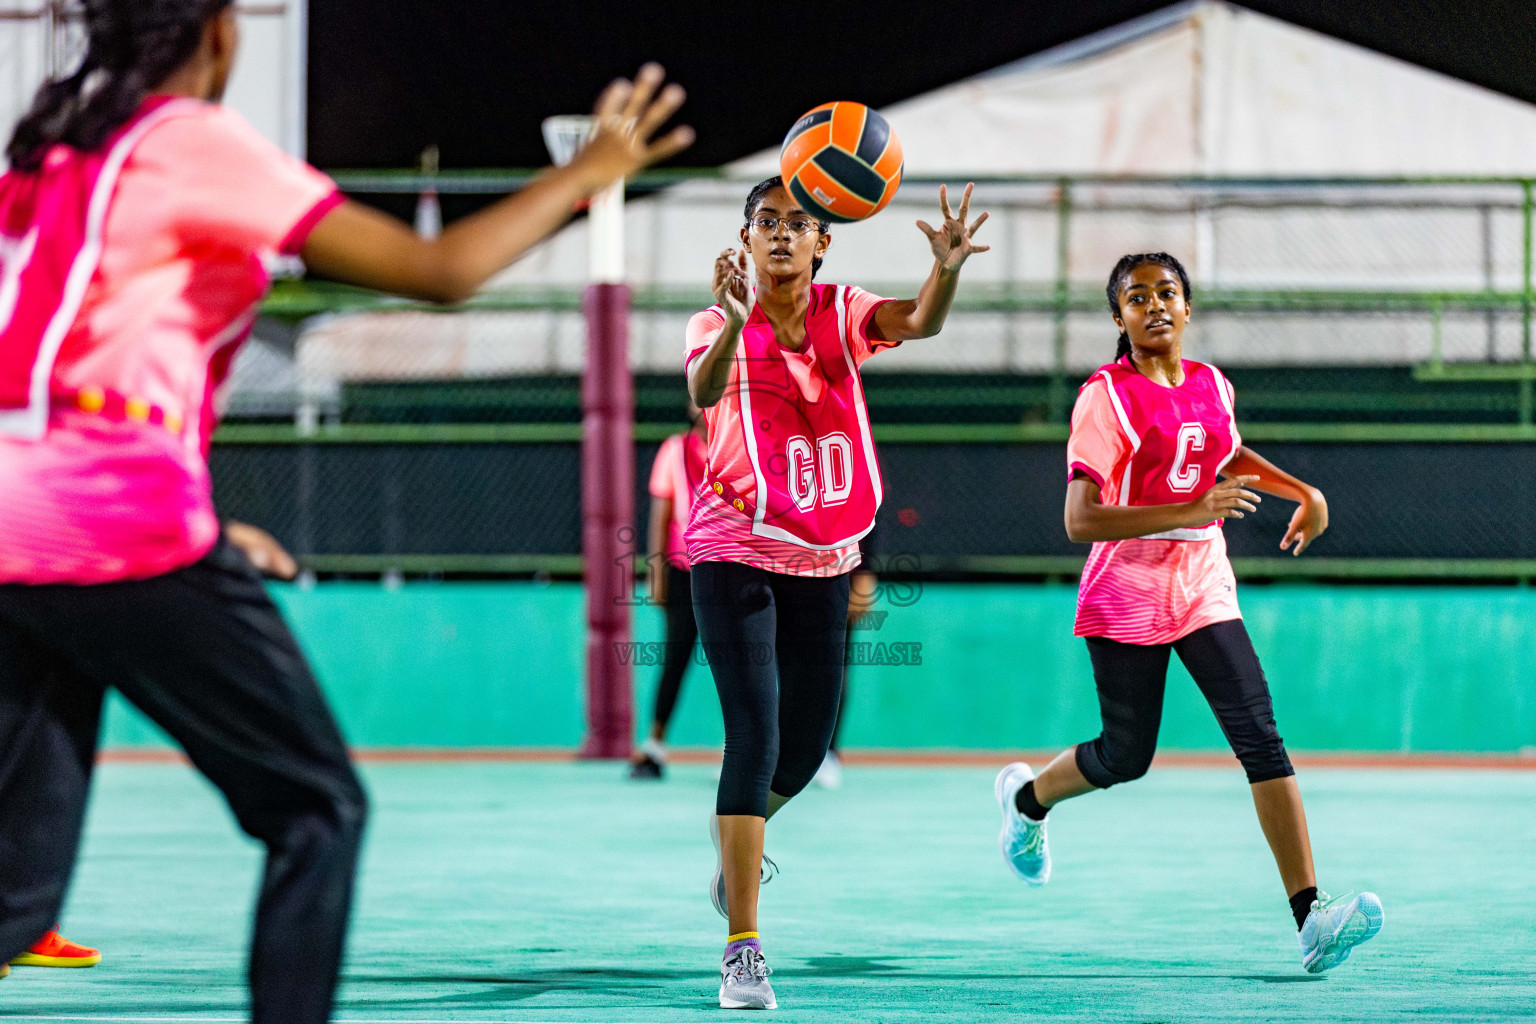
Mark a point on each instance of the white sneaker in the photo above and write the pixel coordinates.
(1335, 926)
(1022, 840)
(830, 774)
(717, 884)
(744, 982)
(652, 763)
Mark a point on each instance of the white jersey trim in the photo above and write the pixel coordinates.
(1184, 533)
(1120, 414)
(31, 421)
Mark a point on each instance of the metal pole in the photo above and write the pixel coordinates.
(607, 485)
(1057, 389)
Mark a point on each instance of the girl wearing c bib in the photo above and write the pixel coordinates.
(1152, 436)
(791, 484)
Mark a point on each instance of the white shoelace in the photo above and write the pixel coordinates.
(747, 963)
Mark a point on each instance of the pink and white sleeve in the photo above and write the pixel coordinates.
(1097, 446)
(231, 187)
(861, 312)
(702, 329)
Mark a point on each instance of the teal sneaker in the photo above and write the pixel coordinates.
(717, 883)
(1335, 926)
(1022, 840)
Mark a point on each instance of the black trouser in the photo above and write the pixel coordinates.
(677, 649)
(204, 653)
(1130, 680)
(775, 645)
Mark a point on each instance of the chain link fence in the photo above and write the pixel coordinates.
(1379, 335)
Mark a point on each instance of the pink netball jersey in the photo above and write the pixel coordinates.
(792, 479)
(128, 279)
(1145, 444)
(677, 475)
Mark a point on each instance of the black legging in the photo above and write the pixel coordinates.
(677, 649)
(204, 653)
(775, 646)
(1130, 680)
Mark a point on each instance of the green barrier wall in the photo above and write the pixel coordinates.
(1352, 668)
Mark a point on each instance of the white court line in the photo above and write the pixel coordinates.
(338, 1020)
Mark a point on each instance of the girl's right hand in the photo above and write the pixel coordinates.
(1228, 499)
(628, 114)
(730, 286)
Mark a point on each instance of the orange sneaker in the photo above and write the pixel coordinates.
(54, 950)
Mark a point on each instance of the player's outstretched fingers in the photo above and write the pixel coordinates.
(658, 112)
(944, 202)
(976, 225)
(651, 75)
(669, 145)
(965, 203)
(612, 99)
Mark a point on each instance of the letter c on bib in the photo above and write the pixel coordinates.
(1184, 477)
(802, 472)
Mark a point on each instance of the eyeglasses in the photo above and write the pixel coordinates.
(798, 224)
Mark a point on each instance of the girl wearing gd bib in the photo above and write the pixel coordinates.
(1152, 433)
(791, 485)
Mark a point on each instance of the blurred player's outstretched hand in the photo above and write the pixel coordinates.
(628, 115)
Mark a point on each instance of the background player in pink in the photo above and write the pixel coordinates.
(1152, 434)
(792, 483)
(676, 478)
(135, 220)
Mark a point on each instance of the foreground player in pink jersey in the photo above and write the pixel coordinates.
(1152, 435)
(133, 228)
(790, 486)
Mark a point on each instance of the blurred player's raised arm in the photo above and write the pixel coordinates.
(363, 246)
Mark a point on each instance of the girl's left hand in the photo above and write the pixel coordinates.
(951, 241)
(1307, 523)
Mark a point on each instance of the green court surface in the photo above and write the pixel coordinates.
(561, 892)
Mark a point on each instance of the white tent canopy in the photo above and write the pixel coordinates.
(1199, 90)
(1210, 89)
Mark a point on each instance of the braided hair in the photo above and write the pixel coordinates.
(134, 45)
(1123, 270)
(756, 196)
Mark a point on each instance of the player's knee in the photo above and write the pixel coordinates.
(332, 818)
(1111, 760)
(794, 773)
(1255, 740)
(349, 808)
(1128, 766)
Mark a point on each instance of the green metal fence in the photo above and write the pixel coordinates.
(1393, 312)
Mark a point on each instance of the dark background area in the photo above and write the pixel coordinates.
(1385, 500)
(477, 76)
